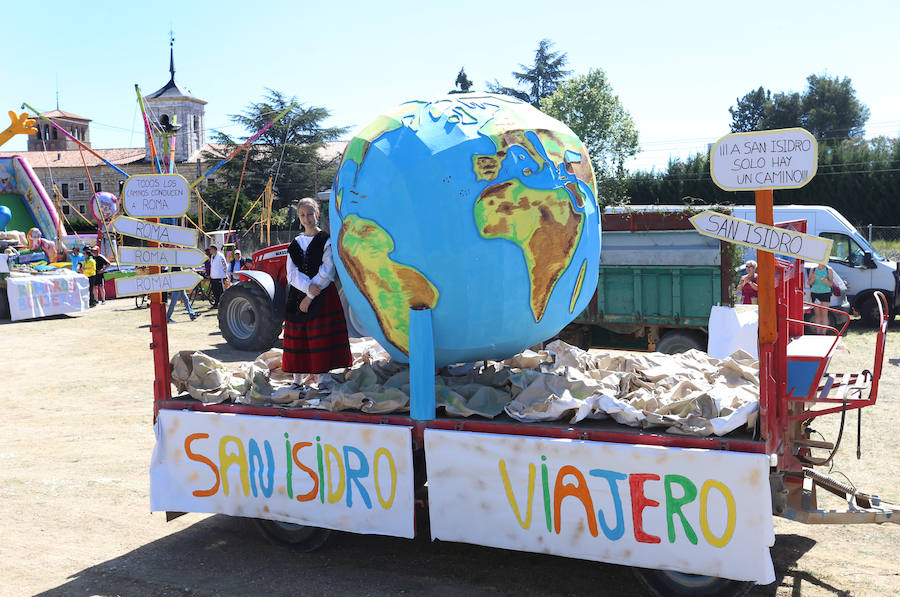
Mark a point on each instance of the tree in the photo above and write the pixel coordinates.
(463, 83)
(288, 151)
(858, 177)
(496, 87)
(832, 110)
(542, 77)
(784, 110)
(589, 107)
(828, 108)
(749, 112)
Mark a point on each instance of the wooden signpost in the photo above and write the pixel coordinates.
(161, 257)
(761, 162)
(777, 159)
(153, 232)
(156, 196)
(781, 241)
(157, 283)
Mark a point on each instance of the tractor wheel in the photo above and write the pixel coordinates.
(247, 317)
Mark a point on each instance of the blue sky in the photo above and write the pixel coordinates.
(676, 66)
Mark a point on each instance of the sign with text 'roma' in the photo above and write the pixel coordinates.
(695, 511)
(159, 233)
(776, 159)
(156, 195)
(781, 241)
(156, 283)
(160, 256)
(343, 476)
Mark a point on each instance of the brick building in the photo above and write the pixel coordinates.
(60, 164)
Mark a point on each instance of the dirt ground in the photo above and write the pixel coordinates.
(75, 446)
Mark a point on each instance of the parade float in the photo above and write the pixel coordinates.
(465, 229)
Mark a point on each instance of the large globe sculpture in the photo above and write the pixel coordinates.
(477, 206)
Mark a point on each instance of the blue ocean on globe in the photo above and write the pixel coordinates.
(477, 206)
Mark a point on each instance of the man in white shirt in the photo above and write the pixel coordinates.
(218, 271)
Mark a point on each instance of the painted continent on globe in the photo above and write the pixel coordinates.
(476, 206)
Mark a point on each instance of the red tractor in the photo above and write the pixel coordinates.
(251, 312)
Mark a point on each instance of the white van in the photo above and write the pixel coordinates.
(861, 267)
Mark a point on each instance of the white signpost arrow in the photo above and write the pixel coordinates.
(159, 233)
(762, 237)
(156, 195)
(157, 283)
(160, 256)
(776, 159)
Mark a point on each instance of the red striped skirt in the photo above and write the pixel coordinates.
(319, 344)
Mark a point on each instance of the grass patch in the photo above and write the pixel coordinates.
(889, 248)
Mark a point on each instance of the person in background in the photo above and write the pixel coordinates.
(218, 271)
(206, 264)
(77, 258)
(820, 281)
(99, 286)
(315, 330)
(8, 255)
(89, 269)
(179, 295)
(235, 265)
(749, 286)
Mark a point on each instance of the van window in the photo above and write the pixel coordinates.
(844, 249)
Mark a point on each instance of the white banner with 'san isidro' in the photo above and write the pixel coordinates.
(695, 511)
(343, 476)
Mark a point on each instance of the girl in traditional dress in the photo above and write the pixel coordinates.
(315, 331)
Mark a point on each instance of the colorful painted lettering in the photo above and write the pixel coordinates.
(679, 491)
(340, 475)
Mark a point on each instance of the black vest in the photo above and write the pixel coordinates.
(308, 262)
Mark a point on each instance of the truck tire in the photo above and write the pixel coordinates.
(666, 583)
(675, 341)
(247, 317)
(868, 312)
(297, 537)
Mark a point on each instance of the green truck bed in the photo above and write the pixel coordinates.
(658, 277)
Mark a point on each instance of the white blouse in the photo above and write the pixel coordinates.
(323, 277)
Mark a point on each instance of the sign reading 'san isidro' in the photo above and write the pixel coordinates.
(782, 241)
(777, 159)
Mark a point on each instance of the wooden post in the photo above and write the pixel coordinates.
(768, 329)
(766, 272)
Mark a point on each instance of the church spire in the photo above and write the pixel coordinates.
(172, 55)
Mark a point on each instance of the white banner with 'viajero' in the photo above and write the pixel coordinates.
(696, 511)
(47, 294)
(343, 476)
